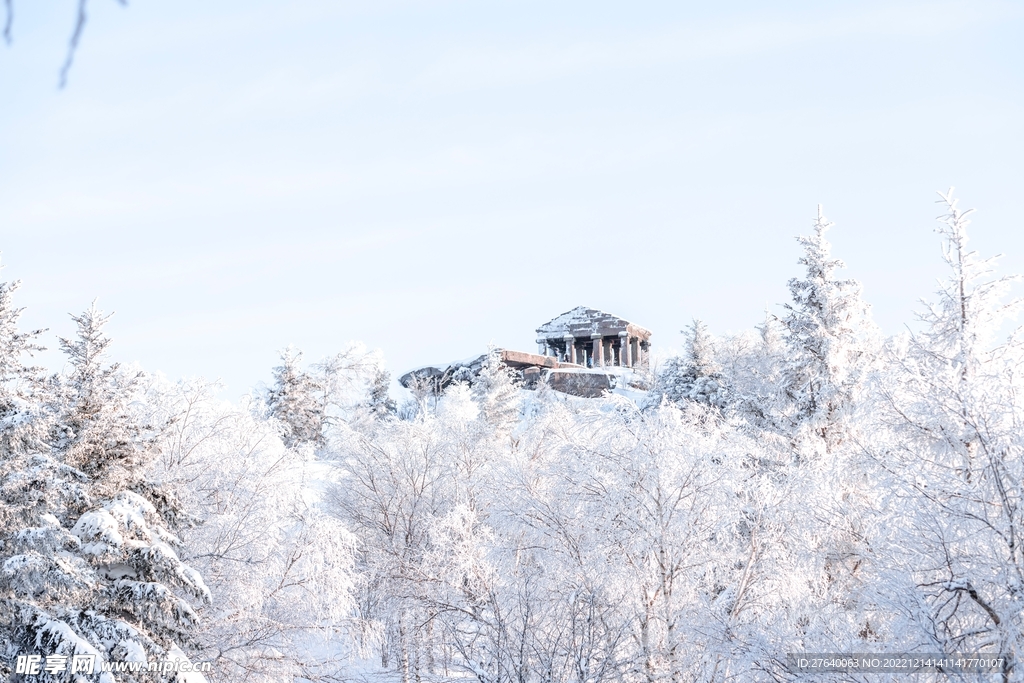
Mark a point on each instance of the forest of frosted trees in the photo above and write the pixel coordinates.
(809, 486)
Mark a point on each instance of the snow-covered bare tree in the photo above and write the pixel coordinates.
(951, 401)
(408, 489)
(346, 378)
(309, 402)
(279, 568)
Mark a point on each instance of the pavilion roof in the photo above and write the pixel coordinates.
(582, 322)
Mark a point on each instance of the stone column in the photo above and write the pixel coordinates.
(625, 356)
(542, 347)
(639, 353)
(598, 350)
(570, 349)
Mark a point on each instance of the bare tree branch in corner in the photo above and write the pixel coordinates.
(72, 44)
(9, 6)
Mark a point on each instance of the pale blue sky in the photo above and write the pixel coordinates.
(428, 177)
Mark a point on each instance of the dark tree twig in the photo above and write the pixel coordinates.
(73, 45)
(9, 6)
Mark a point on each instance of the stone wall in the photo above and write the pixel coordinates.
(583, 384)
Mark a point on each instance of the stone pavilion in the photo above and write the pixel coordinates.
(594, 339)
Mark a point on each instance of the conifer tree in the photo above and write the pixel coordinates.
(296, 400)
(20, 383)
(379, 401)
(496, 393)
(94, 430)
(30, 537)
(695, 376)
(826, 329)
(90, 561)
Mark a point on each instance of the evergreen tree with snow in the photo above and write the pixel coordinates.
(496, 393)
(827, 330)
(90, 563)
(93, 428)
(695, 376)
(20, 383)
(29, 535)
(296, 399)
(379, 401)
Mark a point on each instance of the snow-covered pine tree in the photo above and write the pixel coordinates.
(813, 363)
(296, 399)
(694, 376)
(29, 538)
(828, 330)
(20, 384)
(378, 401)
(15, 345)
(93, 430)
(497, 394)
(90, 564)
